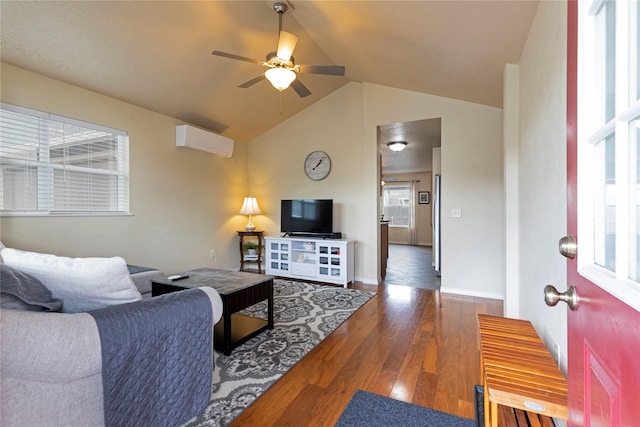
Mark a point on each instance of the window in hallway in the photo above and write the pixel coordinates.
(397, 204)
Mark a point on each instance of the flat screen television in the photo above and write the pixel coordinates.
(306, 216)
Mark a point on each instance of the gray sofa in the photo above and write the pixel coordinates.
(142, 277)
(52, 366)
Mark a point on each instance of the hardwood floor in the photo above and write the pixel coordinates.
(400, 344)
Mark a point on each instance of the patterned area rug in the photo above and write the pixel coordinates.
(304, 314)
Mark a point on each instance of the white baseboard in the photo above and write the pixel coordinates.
(472, 293)
(453, 291)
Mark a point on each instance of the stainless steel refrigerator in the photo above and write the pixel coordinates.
(437, 250)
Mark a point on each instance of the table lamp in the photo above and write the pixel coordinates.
(250, 207)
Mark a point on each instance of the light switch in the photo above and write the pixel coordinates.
(456, 213)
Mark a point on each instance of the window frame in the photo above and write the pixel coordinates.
(45, 169)
(594, 128)
(398, 185)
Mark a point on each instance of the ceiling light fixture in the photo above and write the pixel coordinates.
(397, 145)
(280, 77)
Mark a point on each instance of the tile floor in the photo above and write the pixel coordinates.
(411, 266)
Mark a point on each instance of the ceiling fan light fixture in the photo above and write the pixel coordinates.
(397, 145)
(282, 69)
(280, 77)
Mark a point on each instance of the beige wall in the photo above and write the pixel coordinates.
(183, 202)
(472, 180)
(344, 125)
(276, 159)
(542, 171)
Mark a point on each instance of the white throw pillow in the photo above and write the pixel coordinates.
(81, 283)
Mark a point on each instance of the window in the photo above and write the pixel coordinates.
(609, 144)
(56, 165)
(396, 204)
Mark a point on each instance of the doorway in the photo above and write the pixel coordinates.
(406, 179)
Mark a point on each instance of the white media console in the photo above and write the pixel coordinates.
(322, 260)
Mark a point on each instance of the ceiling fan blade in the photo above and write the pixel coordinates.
(300, 89)
(252, 81)
(238, 57)
(286, 44)
(333, 70)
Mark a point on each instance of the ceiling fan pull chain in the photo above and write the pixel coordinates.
(280, 102)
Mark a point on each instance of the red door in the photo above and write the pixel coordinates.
(603, 332)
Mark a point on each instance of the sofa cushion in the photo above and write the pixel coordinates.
(142, 277)
(22, 291)
(82, 283)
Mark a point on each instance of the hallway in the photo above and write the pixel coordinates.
(411, 266)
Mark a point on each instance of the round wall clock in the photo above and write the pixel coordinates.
(317, 165)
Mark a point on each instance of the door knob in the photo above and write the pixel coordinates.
(568, 247)
(552, 296)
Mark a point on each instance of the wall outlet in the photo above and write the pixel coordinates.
(213, 253)
(456, 213)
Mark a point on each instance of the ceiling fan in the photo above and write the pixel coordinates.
(282, 70)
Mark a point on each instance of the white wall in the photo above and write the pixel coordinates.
(511, 104)
(344, 125)
(183, 202)
(542, 171)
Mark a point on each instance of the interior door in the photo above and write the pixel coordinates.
(603, 331)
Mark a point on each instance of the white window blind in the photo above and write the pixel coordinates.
(56, 165)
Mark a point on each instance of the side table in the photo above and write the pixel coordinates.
(246, 258)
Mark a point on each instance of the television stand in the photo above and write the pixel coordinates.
(311, 258)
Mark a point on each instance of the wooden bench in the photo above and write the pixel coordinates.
(511, 417)
(520, 378)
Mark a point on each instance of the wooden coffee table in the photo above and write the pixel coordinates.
(238, 290)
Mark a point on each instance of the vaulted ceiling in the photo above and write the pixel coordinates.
(158, 54)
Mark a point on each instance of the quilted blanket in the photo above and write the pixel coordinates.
(157, 359)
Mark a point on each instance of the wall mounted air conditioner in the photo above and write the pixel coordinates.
(192, 137)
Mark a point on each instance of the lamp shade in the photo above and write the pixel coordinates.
(250, 207)
(397, 145)
(280, 77)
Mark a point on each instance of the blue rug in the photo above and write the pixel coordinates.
(371, 410)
